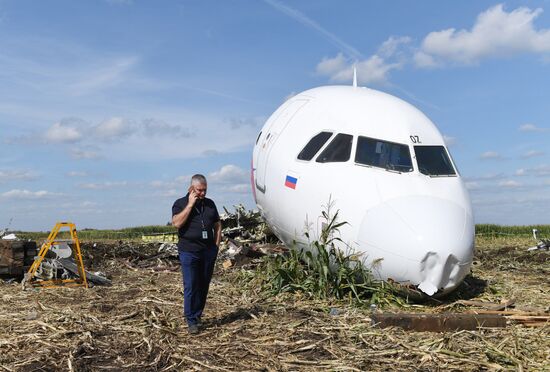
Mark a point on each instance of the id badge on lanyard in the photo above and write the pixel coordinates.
(201, 213)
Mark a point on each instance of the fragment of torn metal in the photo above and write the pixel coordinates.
(169, 248)
(543, 244)
(438, 322)
(61, 249)
(237, 254)
(49, 270)
(234, 249)
(70, 265)
(11, 236)
(245, 225)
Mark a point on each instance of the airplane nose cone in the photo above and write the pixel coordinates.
(423, 240)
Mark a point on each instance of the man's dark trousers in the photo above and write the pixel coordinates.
(197, 268)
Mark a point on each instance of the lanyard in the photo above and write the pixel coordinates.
(201, 212)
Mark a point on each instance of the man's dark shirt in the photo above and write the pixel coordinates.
(190, 234)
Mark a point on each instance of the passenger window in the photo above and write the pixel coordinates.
(433, 161)
(339, 150)
(382, 154)
(314, 145)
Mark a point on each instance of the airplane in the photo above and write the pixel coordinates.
(386, 168)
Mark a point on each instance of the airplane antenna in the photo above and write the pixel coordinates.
(354, 76)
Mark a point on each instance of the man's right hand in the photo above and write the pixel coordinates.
(192, 197)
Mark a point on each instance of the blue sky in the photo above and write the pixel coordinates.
(108, 107)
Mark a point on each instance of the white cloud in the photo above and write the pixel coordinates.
(13, 175)
(77, 174)
(242, 188)
(26, 194)
(375, 69)
(392, 46)
(183, 179)
(532, 128)
(531, 154)
(331, 66)
(422, 59)
(472, 185)
(486, 177)
(229, 174)
(495, 33)
(172, 193)
(159, 128)
(157, 184)
(114, 127)
(60, 133)
(253, 122)
(542, 170)
(102, 185)
(510, 184)
(79, 153)
(490, 155)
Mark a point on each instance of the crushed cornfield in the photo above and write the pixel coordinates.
(137, 324)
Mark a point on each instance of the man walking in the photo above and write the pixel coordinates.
(199, 232)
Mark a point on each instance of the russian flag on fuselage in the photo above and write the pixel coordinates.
(291, 182)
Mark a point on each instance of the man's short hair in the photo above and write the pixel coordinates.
(198, 178)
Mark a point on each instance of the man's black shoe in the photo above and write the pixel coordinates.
(193, 329)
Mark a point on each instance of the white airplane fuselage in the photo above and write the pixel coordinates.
(385, 167)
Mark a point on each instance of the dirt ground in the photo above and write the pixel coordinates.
(137, 323)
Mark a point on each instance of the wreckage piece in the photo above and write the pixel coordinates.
(70, 265)
(237, 254)
(246, 225)
(448, 322)
(81, 281)
(542, 245)
(170, 249)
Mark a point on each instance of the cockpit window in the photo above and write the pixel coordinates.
(433, 161)
(314, 145)
(382, 154)
(338, 150)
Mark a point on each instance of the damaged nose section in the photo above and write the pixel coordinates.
(439, 272)
(431, 245)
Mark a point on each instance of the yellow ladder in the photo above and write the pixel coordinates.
(80, 282)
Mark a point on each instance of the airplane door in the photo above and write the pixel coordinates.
(273, 132)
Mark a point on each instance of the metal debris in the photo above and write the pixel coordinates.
(246, 226)
(543, 244)
(11, 236)
(70, 265)
(169, 248)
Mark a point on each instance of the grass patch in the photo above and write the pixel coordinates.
(526, 230)
(129, 233)
(321, 271)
